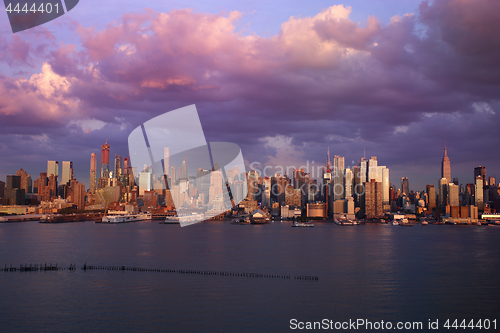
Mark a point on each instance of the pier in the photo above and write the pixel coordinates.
(72, 267)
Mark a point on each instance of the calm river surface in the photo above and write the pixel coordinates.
(373, 272)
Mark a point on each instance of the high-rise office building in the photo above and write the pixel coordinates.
(105, 160)
(79, 195)
(299, 179)
(386, 184)
(183, 169)
(166, 160)
(278, 186)
(26, 183)
(93, 173)
(405, 186)
(67, 172)
(492, 181)
(363, 170)
(445, 166)
(338, 177)
(373, 207)
(13, 192)
(431, 196)
(479, 193)
(453, 195)
(480, 171)
(348, 183)
(443, 193)
(372, 169)
(53, 169)
(145, 182)
(118, 166)
(126, 165)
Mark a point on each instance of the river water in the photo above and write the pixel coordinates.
(371, 272)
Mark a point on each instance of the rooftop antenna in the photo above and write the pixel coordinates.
(364, 152)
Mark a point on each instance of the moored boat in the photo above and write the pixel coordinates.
(124, 217)
(300, 224)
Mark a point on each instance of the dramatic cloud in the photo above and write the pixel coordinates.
(399, 90)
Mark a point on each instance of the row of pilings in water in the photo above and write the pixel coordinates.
(50, 267)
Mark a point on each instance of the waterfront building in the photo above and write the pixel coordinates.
(317, 209)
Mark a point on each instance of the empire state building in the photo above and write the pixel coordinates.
(445, 166)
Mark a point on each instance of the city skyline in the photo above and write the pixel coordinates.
(396, 81)
(315, 171)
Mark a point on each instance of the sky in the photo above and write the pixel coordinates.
(284, 81)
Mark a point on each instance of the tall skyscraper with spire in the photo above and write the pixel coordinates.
(328, 162)
(93, 171)
(445, 165)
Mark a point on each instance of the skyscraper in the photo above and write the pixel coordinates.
(405, 186)
(93, 172)
(183, 169)
(445, 166)
(166, 160)
(480, 171)
(26, 182)
(105, 160)
(118, 166)
(443, 193)
(372, 169)
(479, 193)
(67, 172)
(363, 170)
(373, 207)
(53, 169)
(431, 196)
(453, 195)
(338, 177)
(386, 184)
